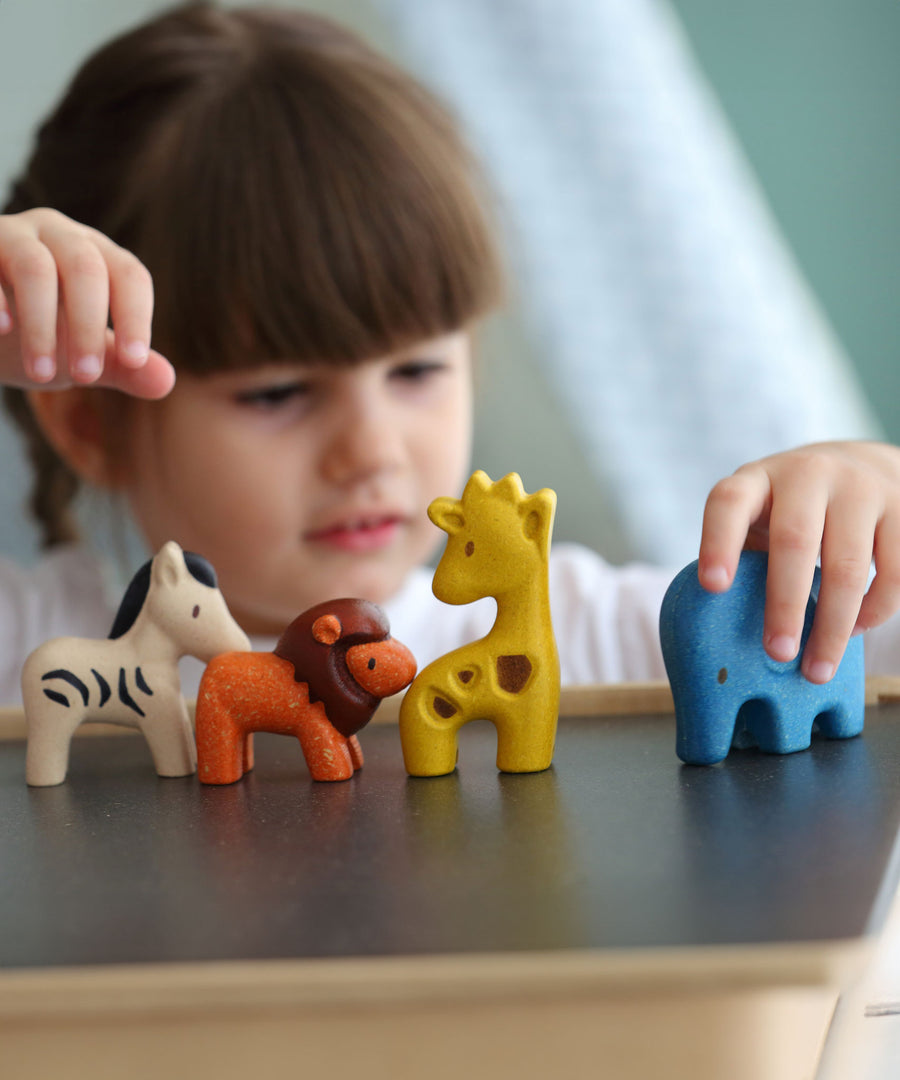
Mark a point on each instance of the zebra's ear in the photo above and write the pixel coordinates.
(168, 565)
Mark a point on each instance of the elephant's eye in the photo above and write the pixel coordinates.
(371, 663)
(723, 675)
(470, 548)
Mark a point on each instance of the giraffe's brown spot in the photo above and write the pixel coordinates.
(470, 548)
(443, 708)
(466, 676)
(513, 673)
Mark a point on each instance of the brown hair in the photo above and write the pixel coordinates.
(293, 194)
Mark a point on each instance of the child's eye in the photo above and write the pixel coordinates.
(273, 397)
(417, 371)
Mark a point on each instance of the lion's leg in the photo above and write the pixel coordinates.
(220, 743)
(326, 751)
(356, 754)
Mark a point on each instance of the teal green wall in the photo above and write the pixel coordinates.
(812, 89)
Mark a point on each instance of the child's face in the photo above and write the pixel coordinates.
(302, 484)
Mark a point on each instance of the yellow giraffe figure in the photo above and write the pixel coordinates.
(498, 545)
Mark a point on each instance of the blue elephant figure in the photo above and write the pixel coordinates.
(728, 691)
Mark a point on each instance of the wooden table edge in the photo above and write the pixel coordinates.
(221, 986)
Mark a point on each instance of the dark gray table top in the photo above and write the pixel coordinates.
(617, 846)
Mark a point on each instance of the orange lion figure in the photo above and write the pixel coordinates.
(321, 683)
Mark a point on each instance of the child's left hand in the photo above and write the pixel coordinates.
(840, 500)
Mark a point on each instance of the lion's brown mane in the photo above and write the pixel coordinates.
(324, 667)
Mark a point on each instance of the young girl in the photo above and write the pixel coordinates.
(312, 227)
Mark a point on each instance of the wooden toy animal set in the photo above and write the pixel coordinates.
(330, 669)
(335, 662)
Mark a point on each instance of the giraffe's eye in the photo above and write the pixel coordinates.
(196, 611)
(371, 663)
(470, 548)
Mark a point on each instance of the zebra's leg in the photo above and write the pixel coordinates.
(49, 736)
(170, 738)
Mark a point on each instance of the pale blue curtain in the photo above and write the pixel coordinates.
(668, 315)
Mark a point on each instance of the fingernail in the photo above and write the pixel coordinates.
(783, 647)
(43, 368)
(820, 671)
(715, 577)
(88, 367)
(5, 322)
(135, 353)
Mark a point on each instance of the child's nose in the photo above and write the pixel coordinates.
(364, 442)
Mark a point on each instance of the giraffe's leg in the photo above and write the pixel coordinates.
(249, 759)
(327, 754)
(428, 728)
(526, 733)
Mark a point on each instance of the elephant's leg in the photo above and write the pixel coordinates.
(703, 737)
(779, 728)
(841, 721)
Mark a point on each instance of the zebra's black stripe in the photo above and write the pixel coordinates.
(105, 691)
(125, 697)
(72, 679)
(58, 698)
(142, 682)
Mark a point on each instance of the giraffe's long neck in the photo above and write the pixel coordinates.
(524, 607)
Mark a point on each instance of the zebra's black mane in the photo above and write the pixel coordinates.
(200, 569)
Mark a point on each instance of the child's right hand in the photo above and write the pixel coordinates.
(61, 284)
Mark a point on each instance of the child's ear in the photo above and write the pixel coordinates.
(75, 423)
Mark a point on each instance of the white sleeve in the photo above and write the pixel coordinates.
(605, 618)
(65, 594)
(882, 648)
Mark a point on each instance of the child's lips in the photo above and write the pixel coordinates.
(360, 534)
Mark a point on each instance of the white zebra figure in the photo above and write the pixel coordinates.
(172, 607)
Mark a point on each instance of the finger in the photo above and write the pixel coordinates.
(733, 505)
(796, 524)
(153, 380)
(846, 561)
(84, 287)
(130, 302)
(29, 273)
(883, 597)
(6, 321)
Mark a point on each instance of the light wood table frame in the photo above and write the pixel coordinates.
(755, 1010)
